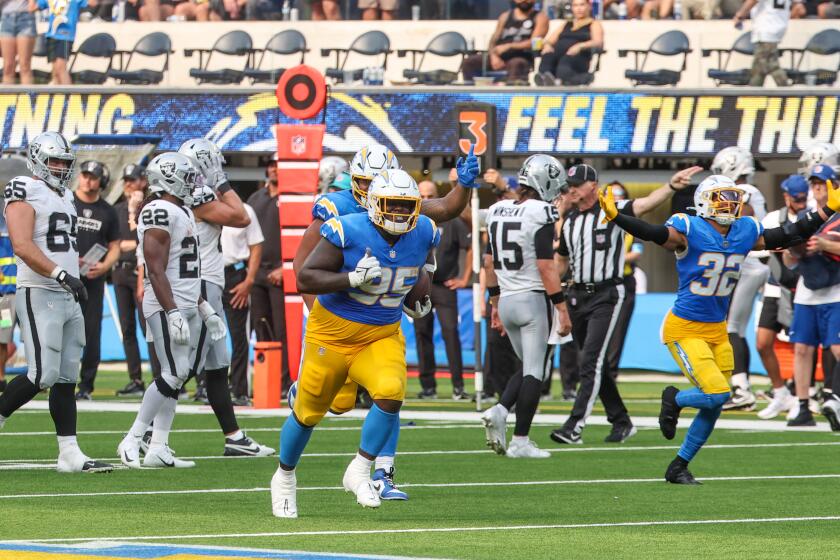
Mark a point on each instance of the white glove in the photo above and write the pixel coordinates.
(179, 329)
(421, 308)
(216, 328)
(367, 270)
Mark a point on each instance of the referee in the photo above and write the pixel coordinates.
(593, 250)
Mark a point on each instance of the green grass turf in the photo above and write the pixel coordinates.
(497, 505)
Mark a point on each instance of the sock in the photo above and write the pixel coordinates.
(511, 392)
(385, 458)
(218, 393)
(741, 355)
(63, 409)
(695, 398)
(520, 439)
(699, 431)
(152, 401)
(781, 392)
(376, 429)
(526, 404)
(384, 462)
(236, 436)
(18, 392)
(360, 464)
(293, 439)
(67, 442)
(163, 422)
(803, 404)
(741, 380)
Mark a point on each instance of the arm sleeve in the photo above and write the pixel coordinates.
(625, 207)
(642, 230)
(544, 241)
(333, 231)
(794, 233)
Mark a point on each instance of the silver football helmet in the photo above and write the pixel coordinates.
(544, 174)
(367, 164)
(208, 158)
(718, 198)
(330, 168)
(394, 201)
(175, 174)
(734, 162)
(821, 152)
(50, 158)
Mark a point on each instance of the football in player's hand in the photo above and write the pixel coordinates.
(421, 289)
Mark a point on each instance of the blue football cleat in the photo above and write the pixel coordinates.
(384, 482)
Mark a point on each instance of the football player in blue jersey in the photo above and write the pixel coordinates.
(365, 165)
(362, 269)
(710, 248)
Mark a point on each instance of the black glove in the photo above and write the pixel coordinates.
(73, 285)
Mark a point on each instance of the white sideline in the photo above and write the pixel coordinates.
(419, 485)
(275, 429)
(448, 529)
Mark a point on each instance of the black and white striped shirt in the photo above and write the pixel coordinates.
(595, 249)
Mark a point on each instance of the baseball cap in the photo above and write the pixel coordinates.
(133, 171)
(823, 172)
(342, 181)
(94, 168)
(580, 174)
(795, 185)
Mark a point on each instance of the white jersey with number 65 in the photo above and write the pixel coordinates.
(184, 266)
(513, 227)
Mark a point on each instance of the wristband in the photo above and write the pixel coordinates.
(205, 310)
(224, 187)
(557, 297)
(494, 291)
(55, 272)
(670, 186)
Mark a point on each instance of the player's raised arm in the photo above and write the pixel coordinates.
(666, 236)
(450, 206)
(794, 233)
(226, 210)
(679, 181)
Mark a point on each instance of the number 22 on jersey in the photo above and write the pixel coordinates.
(720, 274)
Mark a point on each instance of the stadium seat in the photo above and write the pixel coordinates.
(371, 43)
(40, 51)
(287, 42)
(588, 77)
(100, 45)
(448, 44)
(824, 43)
(234, 43)
(722, 74)
(670, 43)
(152, 45)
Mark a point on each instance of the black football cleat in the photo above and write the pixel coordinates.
(804, 419)
(678, 473)
(669, 412)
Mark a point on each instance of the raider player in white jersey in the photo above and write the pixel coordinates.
(738, 164)
(172, 305)
(41, 219)
(524, 285)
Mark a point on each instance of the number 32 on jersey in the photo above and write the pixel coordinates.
(720, 275)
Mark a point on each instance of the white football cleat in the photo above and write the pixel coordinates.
(362, 486)
(72, 460)
(284, 494)
(495, 428)
(2, 421)
(782, 401)
(741, 399)
(793, 412)
(160, 456)
(129, 451)
(525, 450)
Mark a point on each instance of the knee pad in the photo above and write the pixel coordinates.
(167, 390)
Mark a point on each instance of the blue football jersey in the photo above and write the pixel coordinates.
(332, 205)
(709, 268)
(381, 303)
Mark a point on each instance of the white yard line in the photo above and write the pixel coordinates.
(248, 430)
(682, 522)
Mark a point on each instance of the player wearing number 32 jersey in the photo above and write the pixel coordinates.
(710, 248)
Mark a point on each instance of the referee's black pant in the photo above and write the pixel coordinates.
(624, 316)
(594, 317)
(92, 311)
(238, 326)
(445, 305)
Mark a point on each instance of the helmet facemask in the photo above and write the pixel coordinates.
(723, 205)
(395, 214)
(50, 159)
(360, 184)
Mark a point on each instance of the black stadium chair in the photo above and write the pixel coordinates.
(722, 74)
(448, 44)
(152, 45)
(588, 77)
(99, 45)
(371, 43)
(824, 43)
(287, 42)
(671, 43)
(233, 43)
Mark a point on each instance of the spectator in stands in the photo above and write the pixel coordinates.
(17, 40)
(815, 8)
(455, 236)
(194, 10)
(657, 9)
(8, 287)
(519, 32)
(567, 53)
(700, 9)
(769, 23)
(153, 10)
(326, 9)
(61, 32)
(379, 9)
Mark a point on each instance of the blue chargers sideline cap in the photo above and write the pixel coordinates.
(795, 185)
(823, 172)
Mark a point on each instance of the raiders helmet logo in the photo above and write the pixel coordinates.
(87, 212)
(167, 169)
(553, 171)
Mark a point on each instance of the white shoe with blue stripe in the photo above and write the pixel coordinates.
(383, 481)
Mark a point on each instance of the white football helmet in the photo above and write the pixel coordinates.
(330, 168)
(367, 164)
(734, 162)
(718, 198)
(50, 158)
(545, 175)
(175, 174)
(208, 158)
(821, 152)
(394, 201)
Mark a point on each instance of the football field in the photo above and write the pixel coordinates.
(767, 492)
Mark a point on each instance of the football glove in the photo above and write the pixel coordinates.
(468, 169)
(367, 270)
(833, 196)
(216, 327)
(179, 329)
(421, 308)
(72, 284)
(607, 202)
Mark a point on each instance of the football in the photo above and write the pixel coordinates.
(421, 289)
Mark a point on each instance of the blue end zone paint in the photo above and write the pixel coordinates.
(144, 551)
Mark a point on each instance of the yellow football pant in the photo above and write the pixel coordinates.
(702, 352)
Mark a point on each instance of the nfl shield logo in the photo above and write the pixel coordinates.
(600, 238)
(299, 144)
